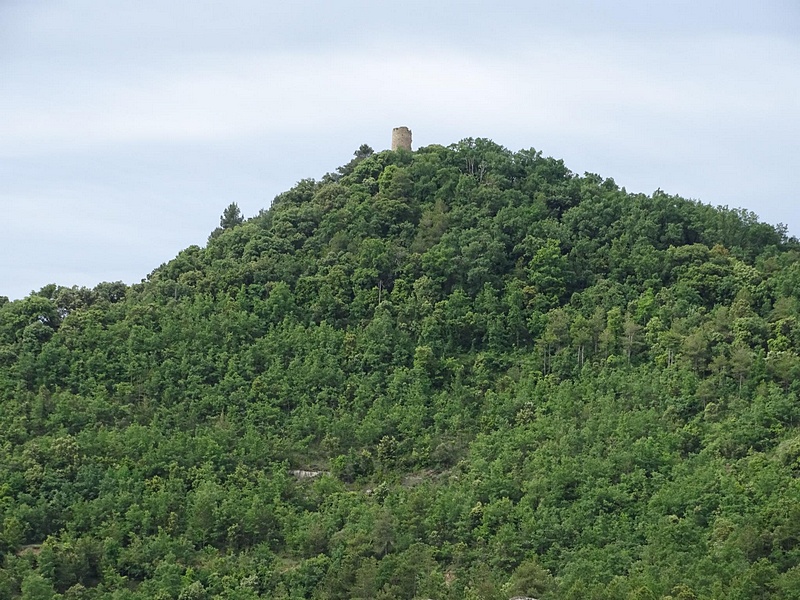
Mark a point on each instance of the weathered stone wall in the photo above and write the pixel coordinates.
(401, 138)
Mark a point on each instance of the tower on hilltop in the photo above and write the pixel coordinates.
(401, 138)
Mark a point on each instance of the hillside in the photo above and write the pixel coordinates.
(461, 372)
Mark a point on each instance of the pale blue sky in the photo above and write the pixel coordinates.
(126, 127)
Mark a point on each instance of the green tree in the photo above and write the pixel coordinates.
(36, 587)
(231, 217)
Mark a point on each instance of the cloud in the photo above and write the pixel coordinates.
(594, 84)
(143, 120)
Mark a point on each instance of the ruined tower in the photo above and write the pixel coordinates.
(401, 138)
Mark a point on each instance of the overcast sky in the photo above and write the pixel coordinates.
(126, 127)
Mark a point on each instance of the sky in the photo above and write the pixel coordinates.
(127, 126)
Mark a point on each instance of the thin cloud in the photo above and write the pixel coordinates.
(577, 87)
(174, 112)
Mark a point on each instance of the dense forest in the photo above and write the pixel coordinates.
(459, 372)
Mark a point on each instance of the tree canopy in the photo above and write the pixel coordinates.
(459, 372)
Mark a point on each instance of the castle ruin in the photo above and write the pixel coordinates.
(401, 138)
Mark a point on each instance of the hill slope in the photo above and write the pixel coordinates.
(506, 378)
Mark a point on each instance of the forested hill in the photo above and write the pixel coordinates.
(460, 372)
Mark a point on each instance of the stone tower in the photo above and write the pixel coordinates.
(401, 138)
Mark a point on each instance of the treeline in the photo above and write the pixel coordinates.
(510, 379)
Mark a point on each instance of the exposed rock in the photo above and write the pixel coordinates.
(34, 549)
(303, 474)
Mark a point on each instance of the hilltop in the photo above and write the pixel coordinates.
(459, 372)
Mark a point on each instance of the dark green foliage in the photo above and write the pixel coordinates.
(455, 373)
(231, 217)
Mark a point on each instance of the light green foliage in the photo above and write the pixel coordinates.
(455, 373)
